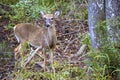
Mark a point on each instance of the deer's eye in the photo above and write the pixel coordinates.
(51, 18)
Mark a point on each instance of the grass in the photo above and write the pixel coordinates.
(100, 64)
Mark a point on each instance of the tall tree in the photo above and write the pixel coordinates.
(96, 14)
(113, 20)
(113, 27)
(109, 11)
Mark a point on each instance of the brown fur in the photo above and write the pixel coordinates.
(35, 35)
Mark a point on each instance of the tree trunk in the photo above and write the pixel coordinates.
(96, 11)
(113, 25)
(113, 20)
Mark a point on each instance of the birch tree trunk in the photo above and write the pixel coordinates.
(113, 25)
(113, 20)
(96, 14)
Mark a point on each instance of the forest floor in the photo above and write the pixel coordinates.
(6, 50)
(68, 48)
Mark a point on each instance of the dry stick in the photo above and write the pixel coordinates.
(81, 50)
(31, 55)
(78, 61)
(40, 55)
(80, 53)
(82, 56)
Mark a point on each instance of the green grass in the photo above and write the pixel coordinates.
(101, 64)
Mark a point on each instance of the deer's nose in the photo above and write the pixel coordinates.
(47, 25)
(47, 22)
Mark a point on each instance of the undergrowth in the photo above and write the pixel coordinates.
(103, 64)
(100, 65)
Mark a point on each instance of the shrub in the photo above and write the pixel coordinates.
(28, 10)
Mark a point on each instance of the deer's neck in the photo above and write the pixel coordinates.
(51, 31)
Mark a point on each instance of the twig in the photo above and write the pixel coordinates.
(82, 56)
(81, 50)
(31, 55)
(40, 55)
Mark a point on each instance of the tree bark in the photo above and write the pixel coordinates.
(113, 24)
(113, 20)
(96, 11)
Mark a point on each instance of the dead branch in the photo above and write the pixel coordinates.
(82, 49)
(32, 53)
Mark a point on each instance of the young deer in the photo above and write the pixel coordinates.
(38, 37)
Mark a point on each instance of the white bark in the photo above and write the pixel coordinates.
(96, 14)
(113, 19)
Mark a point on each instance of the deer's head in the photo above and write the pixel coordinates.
(49, 18)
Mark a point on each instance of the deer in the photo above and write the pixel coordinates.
(38, 37)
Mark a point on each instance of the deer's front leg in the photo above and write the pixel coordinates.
(44, 53)
(52, 60)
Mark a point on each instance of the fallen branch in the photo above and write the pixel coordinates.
(80, 51)
(31, 56)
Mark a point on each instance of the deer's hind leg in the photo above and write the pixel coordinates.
(17, 51)
(44, 53)
(52, 59)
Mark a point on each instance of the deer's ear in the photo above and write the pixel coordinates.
(56, 14)
(42, 13)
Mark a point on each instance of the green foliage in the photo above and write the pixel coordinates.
(103, 63)
(5, 54)
(6, 13)
(85, 39)
(9, 26)
(101, 32)
(2, 46)
(28, 10)
(68, 72)
(73, 8)
(114, 27)
(98, 67)
(107, 30)
(24, 47)
(9, 2)
(114, 57)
